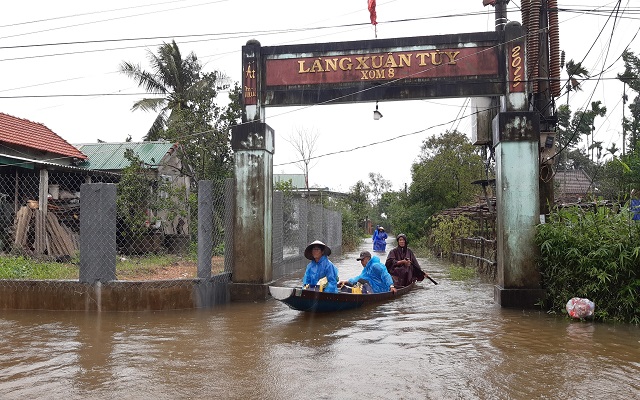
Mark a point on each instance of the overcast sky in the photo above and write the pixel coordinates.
(59, 63)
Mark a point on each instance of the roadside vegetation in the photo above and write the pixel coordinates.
(592, 253)
(168, 266)
(458, 273)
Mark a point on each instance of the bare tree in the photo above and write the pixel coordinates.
(304, 142)
(379, 185)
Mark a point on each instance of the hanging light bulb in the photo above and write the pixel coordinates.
(377, 114)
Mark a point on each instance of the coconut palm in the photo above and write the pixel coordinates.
(176, 81)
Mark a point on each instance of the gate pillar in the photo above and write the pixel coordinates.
(516, 133)
(253, 146)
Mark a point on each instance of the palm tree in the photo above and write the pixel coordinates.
(177, 81)
(574, 70)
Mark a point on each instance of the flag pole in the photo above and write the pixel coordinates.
(373, 16)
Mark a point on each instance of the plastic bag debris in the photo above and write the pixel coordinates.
(580, 308)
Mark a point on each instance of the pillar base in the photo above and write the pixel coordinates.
(518, 298)
(249, 291)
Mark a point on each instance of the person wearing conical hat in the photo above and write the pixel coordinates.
(320, 267)
(379, 239)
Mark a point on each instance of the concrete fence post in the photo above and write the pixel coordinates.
(97, 232)
(205, 228)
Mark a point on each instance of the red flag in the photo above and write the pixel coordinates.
(372, 12)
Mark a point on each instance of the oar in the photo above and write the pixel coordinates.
(427, 275)
(430, 278)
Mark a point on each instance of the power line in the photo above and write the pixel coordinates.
(87, 13)
(39, 96)
(109, 19)
(324, 155)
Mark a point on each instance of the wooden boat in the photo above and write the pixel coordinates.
(313, 301)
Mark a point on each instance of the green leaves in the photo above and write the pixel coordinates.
(187, 110)
(447, 229)
(592, 253)
(442, 178)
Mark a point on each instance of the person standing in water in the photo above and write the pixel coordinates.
(379, 239)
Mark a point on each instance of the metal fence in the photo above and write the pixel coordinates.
(165, 237)
(155, 239)
(297, 221)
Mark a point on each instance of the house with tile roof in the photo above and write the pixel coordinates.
(36, 164)
(24, 143)
(32, 157)
(41, 174)
(572, 186)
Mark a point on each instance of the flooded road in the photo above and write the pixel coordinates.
(448, 341)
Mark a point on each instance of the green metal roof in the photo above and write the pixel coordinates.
(297, 180)
(110, 156)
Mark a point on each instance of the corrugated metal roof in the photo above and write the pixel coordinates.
(33, 135)
(110, 156)
(32, 164)
(297, 180)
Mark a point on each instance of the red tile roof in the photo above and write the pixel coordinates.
(25, 133)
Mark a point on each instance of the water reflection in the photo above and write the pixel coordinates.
(438, 342)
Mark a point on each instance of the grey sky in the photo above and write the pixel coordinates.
(216, 30)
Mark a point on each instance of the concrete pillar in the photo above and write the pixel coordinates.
(518, 208)
(253, 146)
(97, 232)
(516, 132)
(205, 228)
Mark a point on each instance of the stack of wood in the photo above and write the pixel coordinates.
(38, 234)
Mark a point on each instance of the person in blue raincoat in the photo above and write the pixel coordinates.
(374, 272)
(320, 267)
(379, 239)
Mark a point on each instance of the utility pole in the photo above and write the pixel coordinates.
(543, 104)
(516, 144)
(624, 131)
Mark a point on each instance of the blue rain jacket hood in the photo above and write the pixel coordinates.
(318, 270)
(377, 275)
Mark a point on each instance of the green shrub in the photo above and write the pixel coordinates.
(445, 230)
(458, 273)
(594, 254)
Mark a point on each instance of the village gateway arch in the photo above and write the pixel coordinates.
(484, 64)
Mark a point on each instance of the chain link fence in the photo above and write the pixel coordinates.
(297, 221)
(153, 241)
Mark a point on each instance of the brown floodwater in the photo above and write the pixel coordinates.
(448, 341)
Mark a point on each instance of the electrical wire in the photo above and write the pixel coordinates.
(359, 147)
